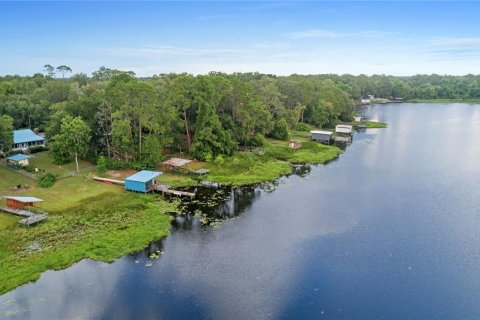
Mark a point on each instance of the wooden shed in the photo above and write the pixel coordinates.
(142, 181)
(294, 144)
(18, 160)
(322, 136)
(21, 202)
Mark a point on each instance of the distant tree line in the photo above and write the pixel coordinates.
(124, 118)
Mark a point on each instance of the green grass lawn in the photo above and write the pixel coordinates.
(87, 219)
(44, 161)
(7, 221)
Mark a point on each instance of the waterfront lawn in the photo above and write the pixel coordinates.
(247, 168)
(87, 219)
(310, 152)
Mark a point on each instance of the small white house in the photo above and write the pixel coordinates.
(365, 101)
(358, 119)
(344, 128)
(322, 135)
(18, 160)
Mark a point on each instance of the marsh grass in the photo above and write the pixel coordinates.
(375, 124)
(103, 228)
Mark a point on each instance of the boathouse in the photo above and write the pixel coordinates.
(322, 136)
(344, 128)
(21, 202)
(26, 138)
(18, 160)
(142, 181)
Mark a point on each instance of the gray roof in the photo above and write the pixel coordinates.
(24, 199)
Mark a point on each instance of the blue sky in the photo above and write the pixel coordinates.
(399, 38)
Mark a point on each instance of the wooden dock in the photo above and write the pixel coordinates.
(107, 180)
(30, 217)
(165, 189)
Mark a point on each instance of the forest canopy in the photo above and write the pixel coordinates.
(134, 119)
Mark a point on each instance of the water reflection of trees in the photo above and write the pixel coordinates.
(213, 205)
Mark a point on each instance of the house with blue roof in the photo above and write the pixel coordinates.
(18, 160)
(25, 138)
(142, 181)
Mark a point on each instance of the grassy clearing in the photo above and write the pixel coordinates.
(44, 161)
(310, 152)
(177, 179)
(375, 124)
(247, 168)
(102, 228)
(87, 219)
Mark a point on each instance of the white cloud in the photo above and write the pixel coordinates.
(456, 42)
(320, 33)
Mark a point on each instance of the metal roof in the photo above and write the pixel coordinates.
(321, 132)
(18, 157)
(24, 199)
(143, 176)
(25, 135)
(177, 162)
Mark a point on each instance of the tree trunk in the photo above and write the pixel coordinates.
(186, 128)
(76, 162)
(140, 141)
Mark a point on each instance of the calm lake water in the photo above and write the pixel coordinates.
(390, 230)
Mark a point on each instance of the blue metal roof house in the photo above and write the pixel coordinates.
(18, 159)
(142, 181)
(25, 138)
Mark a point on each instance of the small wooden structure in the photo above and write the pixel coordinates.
(322, 136)
(21, 202)
(344, 128)
(142, 181)
(17, 205)
(18, 160)
(294, 144)
(177, 164)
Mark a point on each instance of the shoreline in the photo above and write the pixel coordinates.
(82, 229)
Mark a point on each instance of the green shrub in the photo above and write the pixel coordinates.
(280, 130)
(101, 165)
(304, 127)
(36, 149)
(47, 180)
